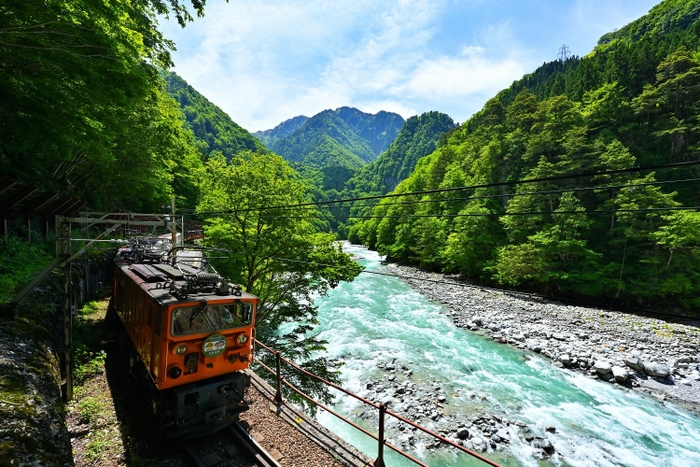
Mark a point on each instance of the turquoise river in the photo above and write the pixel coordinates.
(379, 319)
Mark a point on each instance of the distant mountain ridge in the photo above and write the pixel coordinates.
(418, 137)
(270, 137)
(379, 129)
(214, 130)
(344, 137)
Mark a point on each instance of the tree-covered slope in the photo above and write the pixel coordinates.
(358, 138)
(628, 56)
(281, 131)
(322, 140)
(418, 137)
(537, 216)
(379, 129)
(213, 128)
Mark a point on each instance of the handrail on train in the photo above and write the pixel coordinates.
(379, 461)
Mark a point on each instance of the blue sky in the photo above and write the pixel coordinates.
(265, 61)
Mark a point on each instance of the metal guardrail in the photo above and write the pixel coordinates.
(383, 411)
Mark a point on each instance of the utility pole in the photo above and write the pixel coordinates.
(63, 252)
(173, 224)
(564, 53)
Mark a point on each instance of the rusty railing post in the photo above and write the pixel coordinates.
(380, 450)
(278, 396)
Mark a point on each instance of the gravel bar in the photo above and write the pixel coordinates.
(648, 354)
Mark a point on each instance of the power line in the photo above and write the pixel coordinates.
(471, 187)
(527, 193)
(530, 213)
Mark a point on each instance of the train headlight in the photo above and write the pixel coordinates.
(242, 339)
(180, 349)
(174, 372)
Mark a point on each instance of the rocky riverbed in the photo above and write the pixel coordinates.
(633, 352)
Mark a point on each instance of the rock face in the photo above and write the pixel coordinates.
(32, 430)
(32, 426)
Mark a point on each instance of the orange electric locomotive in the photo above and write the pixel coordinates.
(190, 333)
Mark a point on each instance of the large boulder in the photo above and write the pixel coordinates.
(603, 368)
(656, 370)
(479, 443)
(635, 363)
(620, 374)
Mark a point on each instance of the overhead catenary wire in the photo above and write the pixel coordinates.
(470, 187)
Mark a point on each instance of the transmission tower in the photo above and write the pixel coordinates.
(563, 54)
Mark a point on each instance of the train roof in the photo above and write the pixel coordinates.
(171, 285)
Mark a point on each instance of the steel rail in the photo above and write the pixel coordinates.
(262, 457)
(242, 438)
(193, 454)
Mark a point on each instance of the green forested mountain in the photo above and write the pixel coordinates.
(343, 137)
(379, 129)
(325, 140)
(418, 137)
(628, 56)
(271, 137)
(552, 199)
(213, 128)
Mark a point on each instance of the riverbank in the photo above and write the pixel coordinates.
(641, 353)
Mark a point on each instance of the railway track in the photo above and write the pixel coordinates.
(232, 447)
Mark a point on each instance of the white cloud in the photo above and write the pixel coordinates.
(455, 77)
(266, 61)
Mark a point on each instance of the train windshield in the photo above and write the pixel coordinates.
(210, 318)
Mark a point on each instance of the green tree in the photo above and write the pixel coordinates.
(279, 253)
(79, 80)
(672, 103)
(557, 256)
(469, 248)
(679, 277)
(637, 226)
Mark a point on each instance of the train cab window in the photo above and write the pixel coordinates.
(210, 318)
